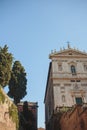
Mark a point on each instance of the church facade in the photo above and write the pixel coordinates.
(66, 81)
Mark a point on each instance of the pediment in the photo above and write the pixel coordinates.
(72, 62)
(69, 53)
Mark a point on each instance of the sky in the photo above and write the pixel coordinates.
(32, 28)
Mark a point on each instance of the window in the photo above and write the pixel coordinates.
(85, 67)
(78, 100)
(72, 80)
(70, 53)
(60, 67)
(77, 80)
(63, 98)
(73, 70)
(62, 89)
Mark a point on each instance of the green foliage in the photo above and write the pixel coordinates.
(6, 59)
(18, 82)
(65, 109)
(13, 113)
(2, 97)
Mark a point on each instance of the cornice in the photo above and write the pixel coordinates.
(65, 78)
(67, 56)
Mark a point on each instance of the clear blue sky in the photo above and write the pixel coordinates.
(32, 28)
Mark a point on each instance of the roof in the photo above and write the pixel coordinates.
(29, 103)
(68, 53)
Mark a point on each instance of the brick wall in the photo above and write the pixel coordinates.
(74, 120)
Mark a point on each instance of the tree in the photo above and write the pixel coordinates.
(18, 82)
(6, 60)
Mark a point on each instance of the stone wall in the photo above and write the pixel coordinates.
(6, 122)
(75, 120)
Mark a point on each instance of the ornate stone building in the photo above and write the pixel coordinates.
(67, 80)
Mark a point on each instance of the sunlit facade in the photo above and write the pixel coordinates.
(67, 80)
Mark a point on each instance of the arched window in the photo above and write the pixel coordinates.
(73, 69)
(63, 98)
(85, 67)
(60, 67)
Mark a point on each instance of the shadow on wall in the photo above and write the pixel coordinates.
(26, 118)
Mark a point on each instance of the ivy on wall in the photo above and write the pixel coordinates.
(13, 113)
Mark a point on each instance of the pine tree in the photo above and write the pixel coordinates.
(18, 82)
(6, 60)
